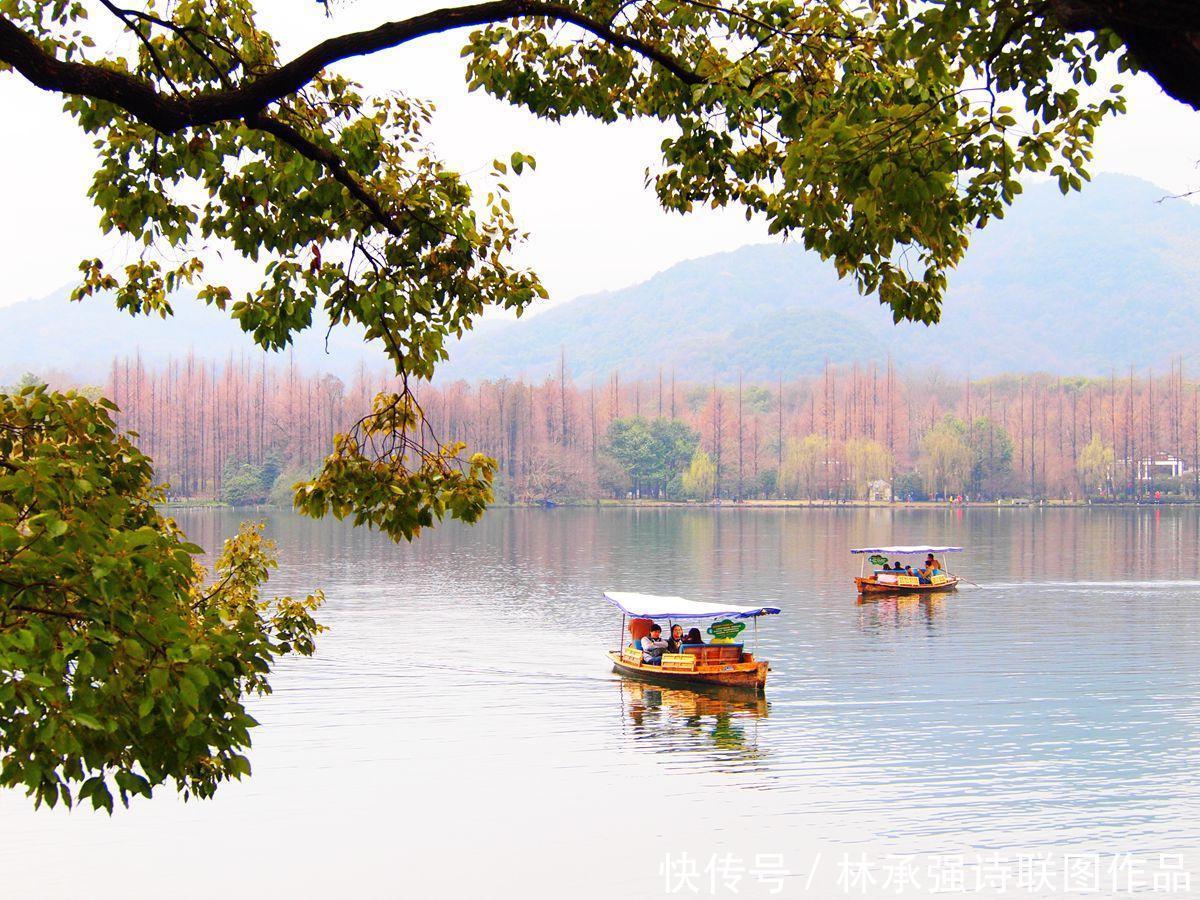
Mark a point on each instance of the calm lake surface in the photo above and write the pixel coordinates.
(460, 732)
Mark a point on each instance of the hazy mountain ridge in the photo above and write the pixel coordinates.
(53, 334)
(1077, 284)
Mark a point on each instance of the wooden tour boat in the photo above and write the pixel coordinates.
(723, 662)
(885, 581)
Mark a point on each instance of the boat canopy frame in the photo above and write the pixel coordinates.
(900, 551)
(906, 551)
(656, 606)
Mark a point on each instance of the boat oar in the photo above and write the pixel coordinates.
(968, 581)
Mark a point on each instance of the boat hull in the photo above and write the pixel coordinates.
(872, 587)
(743, 675)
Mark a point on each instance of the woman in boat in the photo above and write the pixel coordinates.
(693, 637)
(675, 641)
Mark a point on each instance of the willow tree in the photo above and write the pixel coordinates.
(699, 481)
(1095, 466)
(869, 461)
(805, 470)
(879, 133)
(945, 460)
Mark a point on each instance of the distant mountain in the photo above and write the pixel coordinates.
(1076, 284)
(81, 339)
(1079, 284)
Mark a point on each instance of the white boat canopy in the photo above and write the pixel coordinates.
(654, 606)
(903, 551)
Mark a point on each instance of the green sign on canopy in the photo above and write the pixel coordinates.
(877, 560)
(725, 631)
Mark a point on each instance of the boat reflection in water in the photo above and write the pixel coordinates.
(685, 719)
(877, 612)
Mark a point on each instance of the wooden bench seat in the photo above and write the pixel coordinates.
(678, 662)
(714, 654)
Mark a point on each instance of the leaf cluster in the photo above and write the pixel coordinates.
(651, 452)
(379, 475)
(881, 134)
(123, 663)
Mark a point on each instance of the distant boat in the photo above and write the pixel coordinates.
(886, 581)
(722, 662)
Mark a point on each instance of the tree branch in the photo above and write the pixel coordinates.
(1162, 35)
(333, 164)
(144, 39)
(143, 100)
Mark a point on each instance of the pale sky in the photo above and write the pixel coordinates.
(593, 225)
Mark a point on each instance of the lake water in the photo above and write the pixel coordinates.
(460, 732)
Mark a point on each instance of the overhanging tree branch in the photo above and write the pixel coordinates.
(165, 113)
(1162, 35)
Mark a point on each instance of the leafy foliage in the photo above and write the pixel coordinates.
(651, 453)
(1096, 464)
(282, 491)
(868, 461)
(371, 476)
(243, 486)
(908, 486)
(878, 132)
(805, 470)
(945, 462)
(991, 459)
(700, 480)
(244, 483)
(120, 667)
(27, 380)
(881, 134)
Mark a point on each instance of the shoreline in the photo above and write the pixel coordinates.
(201, 503)
(890, 504)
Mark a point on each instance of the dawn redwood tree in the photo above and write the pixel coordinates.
(879, 133)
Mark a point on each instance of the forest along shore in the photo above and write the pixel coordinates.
(850, 433)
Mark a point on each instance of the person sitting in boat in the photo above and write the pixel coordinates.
(675, 641)
(693, 637)
(653, 646)
(933, 565)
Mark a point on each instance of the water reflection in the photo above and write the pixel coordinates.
(901, 610)
(461, 709)
(675, 720)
